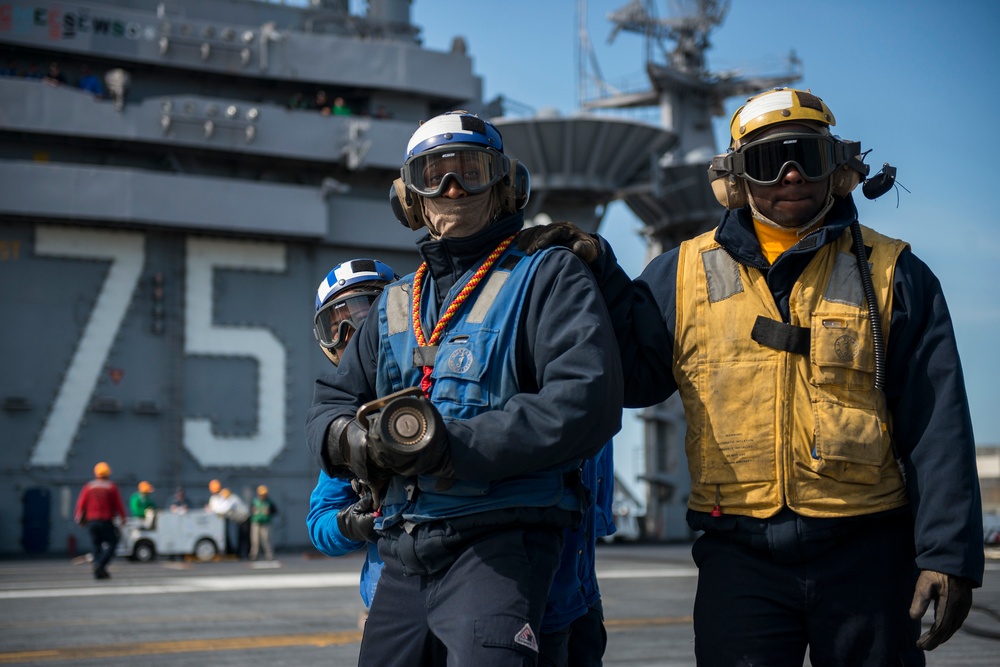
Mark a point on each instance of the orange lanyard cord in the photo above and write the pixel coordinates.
(456, 303)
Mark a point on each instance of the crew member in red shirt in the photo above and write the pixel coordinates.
(100, 508)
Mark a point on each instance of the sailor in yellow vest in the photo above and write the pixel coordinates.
(829, 441)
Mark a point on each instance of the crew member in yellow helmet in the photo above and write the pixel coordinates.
(829, 443)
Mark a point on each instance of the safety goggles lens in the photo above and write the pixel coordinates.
(335, 321)
(475, 170)
(764, 161)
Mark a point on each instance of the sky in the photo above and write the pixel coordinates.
(915, 82)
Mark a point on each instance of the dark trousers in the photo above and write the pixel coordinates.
(484, 609)
(238, 538)
(849, 604)
(104, 537)
(579, 644)
(243, 540)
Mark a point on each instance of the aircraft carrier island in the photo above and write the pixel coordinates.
(175, 180)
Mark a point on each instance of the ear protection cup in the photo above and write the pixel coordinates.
(728, 190)
(405, 206)
(516, 188)
(844, 180)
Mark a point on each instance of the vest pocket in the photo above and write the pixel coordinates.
(460, 368)
(841, 351)
(850, 443)
(736, 443)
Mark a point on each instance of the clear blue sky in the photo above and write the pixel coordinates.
(918, 82)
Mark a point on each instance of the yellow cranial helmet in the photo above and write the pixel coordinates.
(808, 143)
(779, 105)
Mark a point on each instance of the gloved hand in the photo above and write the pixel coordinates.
(583, 245)
(357, 522)
(952, 600)
(348, 448)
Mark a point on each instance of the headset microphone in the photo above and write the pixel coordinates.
(880, 183)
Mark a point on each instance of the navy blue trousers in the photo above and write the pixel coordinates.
(104, 537)
(485, 609)
(849, 604)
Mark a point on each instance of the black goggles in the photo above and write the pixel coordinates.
(764, 161)
(476, 170)
(336, 319)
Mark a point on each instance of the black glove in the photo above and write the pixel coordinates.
(583, 245)
(409, 438)
(357, 522)
(952, 600)
(348, 451)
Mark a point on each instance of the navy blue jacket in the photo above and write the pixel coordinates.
(925, 388)
(575, 588)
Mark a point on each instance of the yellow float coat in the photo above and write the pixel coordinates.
(767, 428)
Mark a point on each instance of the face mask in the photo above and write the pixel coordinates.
(458, 218)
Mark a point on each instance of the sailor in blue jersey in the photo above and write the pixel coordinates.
(330, 497)
(340, 520)
(519, 362)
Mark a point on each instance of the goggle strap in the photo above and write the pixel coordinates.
(848, 152)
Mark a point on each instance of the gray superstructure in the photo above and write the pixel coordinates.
(160, 244)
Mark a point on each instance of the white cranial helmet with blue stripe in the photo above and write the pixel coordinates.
(454, 127)
(351, 274)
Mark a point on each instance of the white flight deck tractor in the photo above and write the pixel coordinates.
(197, 533)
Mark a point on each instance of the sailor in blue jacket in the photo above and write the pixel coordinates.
(518, 359)
(330, 497)
(835, 481)
(341, 520)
